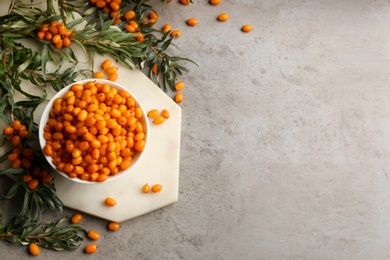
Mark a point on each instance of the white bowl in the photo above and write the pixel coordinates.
(45, 116)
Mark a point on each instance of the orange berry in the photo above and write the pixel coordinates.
(130, 28)
(101, 4)
(27, 178)
(156, 188)
(246, 28)
(114, 226)
(40, 35)
(76, 218)
(62, 29)
(48, 36)
(176, 33)
(13, 156)
(129, 15)
(34, 249)
(110, 202)
(16, 125)
(59, 44)
(111, 70)
(145, 188)
(47, 179)
(215, 2)
(66, 42)
(178, 97)
(154, 68)
(106, 64)
(165, 113)
(153, 113)
(90, 248)
(192, 22)
(56, 39)
(15, 140)
(92, 234)
(185, 2)
(16, 163)
(223, 17)
(98, 75)
(32, 184)
(112, 76)
(8, 130)
(158, 120)
(48, 150)
(179, 85)
(166, 28)
(153, 16)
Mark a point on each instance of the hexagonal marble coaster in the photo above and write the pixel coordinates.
(160, 163)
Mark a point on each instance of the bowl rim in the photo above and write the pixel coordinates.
(45, 116)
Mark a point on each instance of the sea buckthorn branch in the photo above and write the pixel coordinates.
(57, 235)
(33, 182)
(131, 17)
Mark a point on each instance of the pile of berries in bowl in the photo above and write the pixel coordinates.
(93, 131)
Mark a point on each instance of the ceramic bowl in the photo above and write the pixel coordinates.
(46, 115)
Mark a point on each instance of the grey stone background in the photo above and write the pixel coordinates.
(285, 138)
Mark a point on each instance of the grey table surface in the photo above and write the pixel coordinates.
(285, 138)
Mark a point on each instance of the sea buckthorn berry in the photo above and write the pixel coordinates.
(17, 163)
(48, 36)
(192, 22)
(178, 97)
(165, 113)
(16, 125)
(129, 15)
(76, 218)
(34, 249)
(110, 202)
(112, 70)
(56, 38)
(92, 234)
(47, 179)
(153, 113)
(59, 44)
(215, 2)
(146, 188)
(179, 85)
(32, 184)
(185, 2)
(98, 75)
(176, 33)
(26, 163)
(166, 28)
(48, 150)
(40, 35)
(90, 248)
(246, 28)
(100, 3)
(15, 140)
(61, 29)
(156, 188)
(8, 130)
(66, 41)
(158, 120)
(106, 64)
(13, 156)
(154, 68)
(114, 226)
(153, 16)
(27, 178)
(223, 17)
(112, 76)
